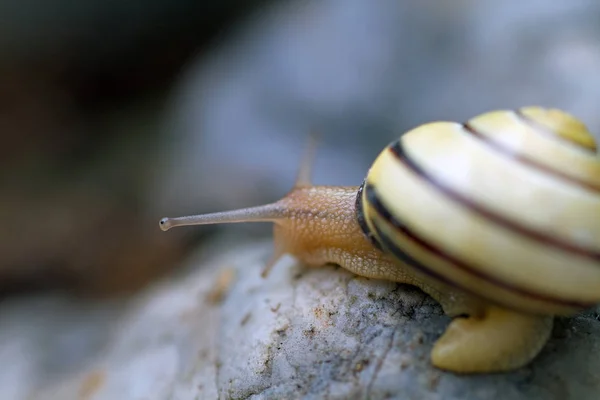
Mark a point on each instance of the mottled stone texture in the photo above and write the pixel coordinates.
(301, 333)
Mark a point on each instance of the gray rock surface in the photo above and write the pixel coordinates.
(304, 333)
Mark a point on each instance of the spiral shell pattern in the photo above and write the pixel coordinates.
(505, 206)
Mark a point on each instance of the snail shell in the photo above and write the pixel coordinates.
(505, 206)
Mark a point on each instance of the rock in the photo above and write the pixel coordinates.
(220, 331)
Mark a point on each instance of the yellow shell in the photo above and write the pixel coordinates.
(505, 206)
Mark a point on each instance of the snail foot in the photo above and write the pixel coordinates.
(499, 340)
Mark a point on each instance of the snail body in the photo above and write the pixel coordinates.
(498, 219)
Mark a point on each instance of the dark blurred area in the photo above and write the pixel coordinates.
(82, 88)
(115, 114)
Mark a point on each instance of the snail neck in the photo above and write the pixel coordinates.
(320, 226)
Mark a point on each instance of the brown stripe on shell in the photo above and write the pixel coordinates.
(541, 129)
(378, 206)
(362, 222)
(397, 150)
(530, 161)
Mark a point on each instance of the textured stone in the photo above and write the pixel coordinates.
(301, 333)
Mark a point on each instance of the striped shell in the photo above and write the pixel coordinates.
(505, 206)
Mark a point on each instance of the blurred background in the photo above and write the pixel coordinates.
(114, 114)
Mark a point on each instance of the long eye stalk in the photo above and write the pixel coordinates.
(264, 213)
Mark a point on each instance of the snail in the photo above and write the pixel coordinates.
(497, 219)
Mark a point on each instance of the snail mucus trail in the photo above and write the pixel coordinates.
(498, 219)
